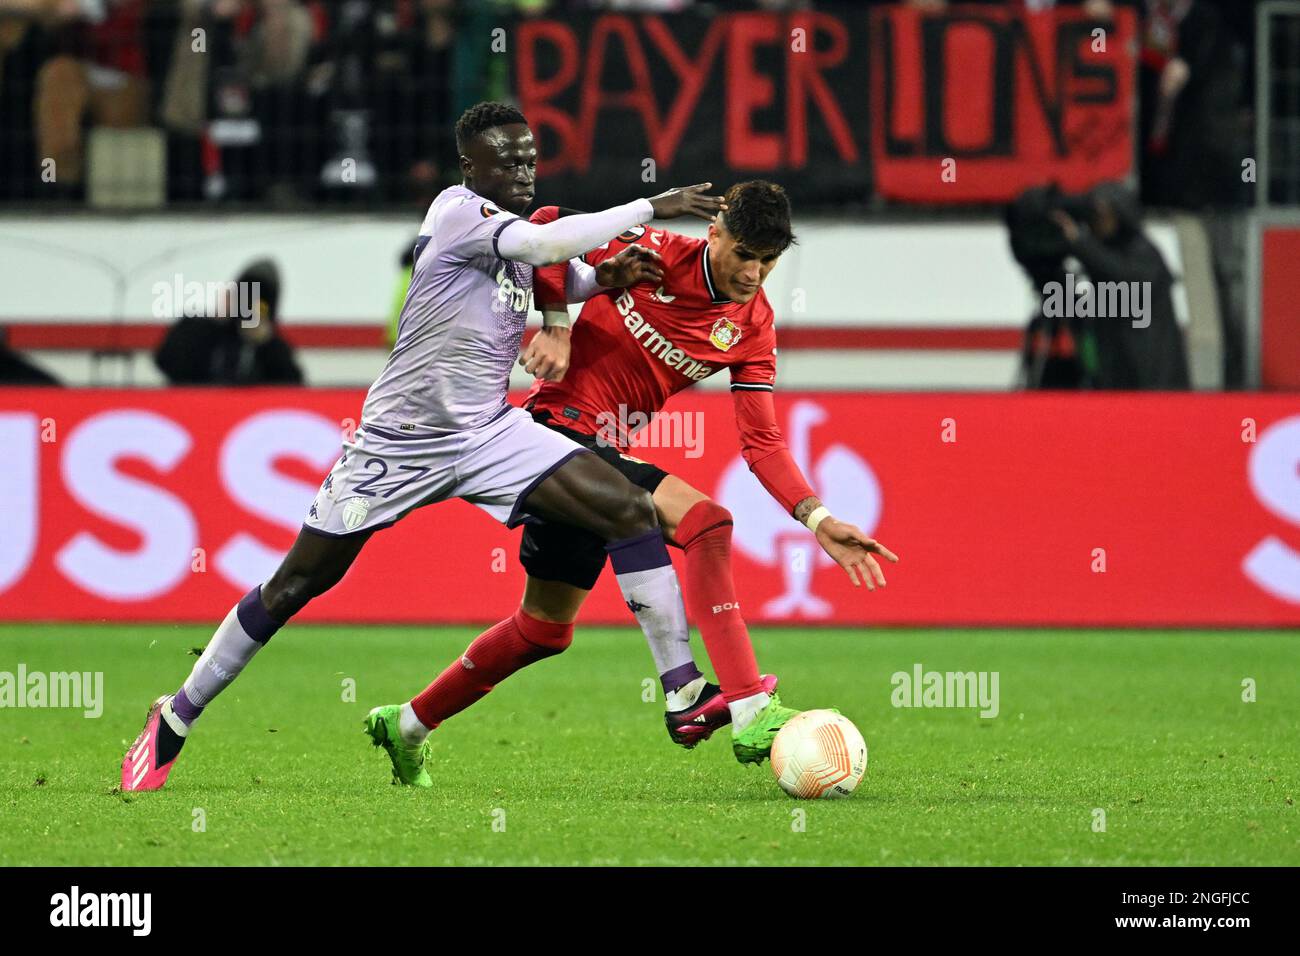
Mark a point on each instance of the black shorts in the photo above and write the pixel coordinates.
(561, 552)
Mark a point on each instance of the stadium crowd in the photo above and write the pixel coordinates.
(288, 87)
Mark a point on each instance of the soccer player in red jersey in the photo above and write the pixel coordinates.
(630, 350)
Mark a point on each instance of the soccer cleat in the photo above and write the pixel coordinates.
(150, 759)
(754, 743)
(408, 762)
(695, 724)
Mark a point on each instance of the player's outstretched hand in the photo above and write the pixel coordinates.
(854, 551)
(634, 264)
(547, 354)
(687, 201)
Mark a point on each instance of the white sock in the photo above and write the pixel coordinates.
(744, 711)
(650, 590)
(657, 599)
(224, 659)
(684, 698)
(410, 728)
(178, 726)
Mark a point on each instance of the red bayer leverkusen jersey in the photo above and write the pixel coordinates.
(636, 347)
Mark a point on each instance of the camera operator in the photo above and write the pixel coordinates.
(1112, 248)
(1085, 347)
(1059, 352)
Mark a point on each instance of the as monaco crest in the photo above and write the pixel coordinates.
(725, 334)
(354, 512)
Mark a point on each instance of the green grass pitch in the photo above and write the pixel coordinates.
(565, 764)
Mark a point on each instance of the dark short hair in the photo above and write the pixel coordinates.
(758, 215)
(481, 117)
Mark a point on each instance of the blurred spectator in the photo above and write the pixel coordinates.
(383, 82)
(278, 44)
(1112, 248)
(184, 108)
(428, 155)
(16, 370)
(237, 96)
(380, 85)
(97, 71)
(1194, 105)
(272, 62)
(347, 69)
(20, 38)
(291, 101)
(233, 349)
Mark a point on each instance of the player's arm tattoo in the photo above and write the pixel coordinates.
(806, 507)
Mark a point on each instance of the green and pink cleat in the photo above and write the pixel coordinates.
(754, 743)
(381, 726)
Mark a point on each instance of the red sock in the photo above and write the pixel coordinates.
(705, 535)
(493, 656)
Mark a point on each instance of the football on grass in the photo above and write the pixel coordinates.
(819, 753)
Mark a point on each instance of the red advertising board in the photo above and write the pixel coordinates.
(1010, 509)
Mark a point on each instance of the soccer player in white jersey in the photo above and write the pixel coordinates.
(436, 425)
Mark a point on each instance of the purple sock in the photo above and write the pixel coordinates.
(183, 709)
(645, 576)
(242, 634)
(679, 676)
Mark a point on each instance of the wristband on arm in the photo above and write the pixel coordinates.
(819, 514)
